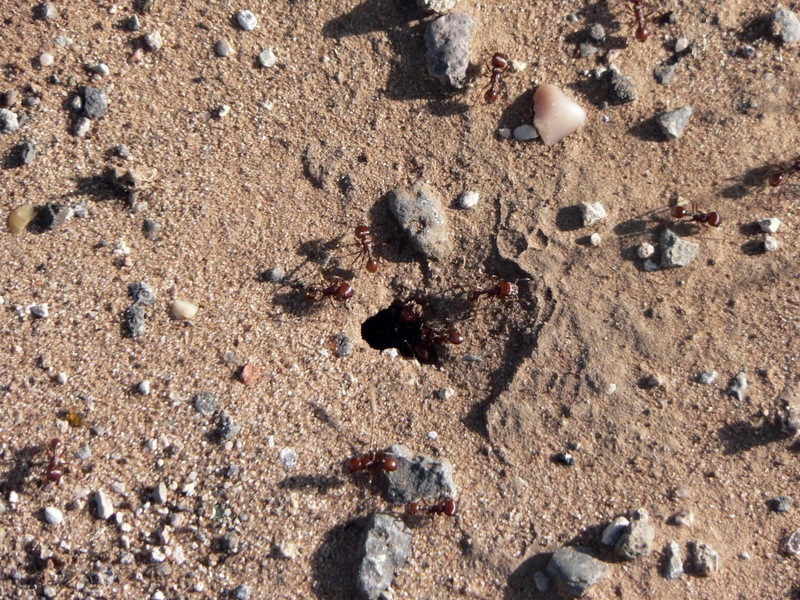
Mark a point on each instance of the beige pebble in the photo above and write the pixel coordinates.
(555, 115)
(183, 310)
(46, 59)
(20, 218)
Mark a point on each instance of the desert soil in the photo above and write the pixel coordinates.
(533, 378)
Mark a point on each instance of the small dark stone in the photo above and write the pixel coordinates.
(342, 345)
(141, 293)
(664, 74)
(151, 229)
(564, 458)
(133, 23)
(781, 504)
(228, 428)
(621, 89)
(133, 321)
(95, 103)
(229, 543)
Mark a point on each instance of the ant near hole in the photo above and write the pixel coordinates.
(336, 290)
(366, 254)
(785, 170)
(373, 461)
(679, 211)
(498, 65)
(445, 507)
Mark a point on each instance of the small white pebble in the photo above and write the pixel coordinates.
(46, 59)
(267, 58)
(157, 556)
(390, 352)
(524, 133)
(504, 132)
(157, 595)
(468, 199)
(432, 435)
(517, 66)
(151, 444)
(183, 310)
(61, 378)
(112, 10)
(53, 516)
(770, 243)
(645, 251)
(144, 387)
(99, 68)
(611, 389)
(681, 44)
(769, 225)
(595, 239)
(223, 111)
(199, 586)
(153, 41)
(247, 20)
(13, 497)
(445, 393)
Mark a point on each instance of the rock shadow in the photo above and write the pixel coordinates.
(521, 584)
(741, 436)
(333, 568)
(19, 471)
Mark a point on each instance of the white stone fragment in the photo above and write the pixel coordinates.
(614, 530)
(144, 387)
(595, 239)
(53, 516)
(770, 243)
(504, 132)
(247, 20)
(525, 133)
(592, 213)
(183, 310)
(645, 250)
(555, 115)
(160, 493)
(267, 58)
(769, 225)
(46, 59)
(102, 504)
(468, 199)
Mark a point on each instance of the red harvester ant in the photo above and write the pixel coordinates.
(642, 32)
(502, 289)
(364, 237)
(55, 469)
(338, 290)
(446, 507)
(497, 66)
(785, 171)
(373, 461)
(430, 337)
(711, 218)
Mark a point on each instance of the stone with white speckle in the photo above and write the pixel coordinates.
(468, 199)
(769, 225)
(288, 458)
(40, 311)
(770, 244)
(592, 212)
(157, 556)
(53, 516)
(247, 20)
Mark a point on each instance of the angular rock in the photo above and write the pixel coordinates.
(787, 416)
(592, 212)
(141, 293)
(9, 122)
(418, 477)
(786, 25)
(447, 48)
(705, 560)
(386, 548)
(621, 89)
(574, 571)
(133, 322)
(614, 531)
(418, 211)
(103, 508)
(95, 103)
(675, 251)
(673, 122)
(637, 539)
(53, 215)
(770, 225)
(738, 385)
(673, 563)
(228, 428)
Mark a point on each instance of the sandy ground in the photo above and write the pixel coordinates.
(234, 199)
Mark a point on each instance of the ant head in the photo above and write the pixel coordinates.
(361, 230)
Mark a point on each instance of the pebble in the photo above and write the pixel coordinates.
(541, 581)
(228, 428)
(748, 51)
(555, 115)
(183, 310)
(20, 218)
(223, 48)
(288, 458)
(621, 89)
(249, 373)
(141, 293)
(676, 251)
(26, 152)
(285, 551)
(683, 518)
(770, 244)
(418, 211)
(436, 6)
(267, 58)
(229, 543)
(83, 453)
(99, 68)
(738, 385)
(664, 73)
(614, 530)
(40, 311)
(53, 516)
(46, 59)
(564, 458)
(597, 32)
(445, 393)
(681, 44)
(770, 225)
(645, 250)
(637, 539)
(81, 127)
(53, 215)
(587, 50)
(525, 133)
(386, 548)
(574, 571)
(144, 387)
(151, 230)
(156, 556)
(787, 413)
(49, 591)
(342, 345)
(595, 239)
(418, 477)
(95, 103)
(47, 11)
(159, 494)
(102, 505)
(781, 504)
(133, 23)
(205, 403)
(247, 20)
(468, 199)
(786, 25)
(793, 543)
(707, 377)
(11, 98)
(61, 378)
(9, 122)
(504, 132)
(705, 559)
(447, 42)
(133, 321)
(592, 213)
(153, 41)
(240, 592)
(673, 122)
(673, 563)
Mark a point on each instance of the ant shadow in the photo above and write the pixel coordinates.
(321, 483)
(518, 112)
(98, 187)
(741, 436)
(15, 478)
(756, 28)
(334, 572)
(752, 178)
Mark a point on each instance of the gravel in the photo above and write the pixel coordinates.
(575, 570)
(786, 26)
(144, 387)
(637, 540)
(95, 103)
(597, 32)
(707, 377)
(780, 504)
(153, 41)
(288, 458)
(705, 560)
(645, 250)
(770, 225)
(9, 123)
(419, 212)
(592, 212)
(267, 58)
(205, 403)
(183, 310)
(595, 240)
(787, 413)
(675, 251)
(418, 477)
(525, 133)
(103, 508)
(47, 11)
(614, 531)
(673, 122)
(386, 548)
(247, 20)
(447, 42)
(683, 518)
(663, 74)
(436, 6)
(738, 385)
(621, 89)
(223, 48)
(53, 516)
(159, 494)
(46, 59)
(673, 563)
(468, 199)
(133, 322)
(342, 345)
(770, 243)
(141, 293)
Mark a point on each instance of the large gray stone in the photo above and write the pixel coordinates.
(418, 477)
(574, 571)
(418, 211)
(676, 251)
(637, 539)
(386, 548)
(447, 48)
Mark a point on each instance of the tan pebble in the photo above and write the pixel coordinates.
(46, 59)
(249, 373)
(20, 218)
(183, 310)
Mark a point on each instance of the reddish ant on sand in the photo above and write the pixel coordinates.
(502, 289)
(337, 290)
(373, 461)
(364, 237)
(497, 67)
(445, 507)
(55, 469)
(786, 170)
(642, 32)
(430, 338)
(703, 218)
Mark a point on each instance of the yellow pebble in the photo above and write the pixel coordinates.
(20, 218)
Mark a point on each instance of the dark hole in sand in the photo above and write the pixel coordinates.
(393, 328)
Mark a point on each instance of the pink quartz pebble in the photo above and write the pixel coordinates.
(554, 115)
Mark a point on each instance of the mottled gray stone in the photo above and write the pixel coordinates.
(574, 571)
(786, 25)
(205, 403)
(9, 122)
(675, 251)
(386, 548)
(621, 89)
(738, 385)
(133, 321)
(673, 563)
(705, 560)
(141, 293)
(787, 414)
(673, 122)
(95, 103)
(637, 539)
(419, 212)
(418, 477)
(447, 48)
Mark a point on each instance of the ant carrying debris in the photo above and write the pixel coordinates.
(497, 67)
(679, 211)
(786, 170)
(337, 290)
(365, 238)
(642, 32)
(502, 289)
(55, 469)
(445, 507)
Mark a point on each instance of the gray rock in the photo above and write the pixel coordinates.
(468, 199)
(541, 581)
(47, 11)
(288, 458)
(770, 225)
(681, 44)
(153, 41)
(707, 377)
(141, 293)
(787, 414)
(53, 215)
(673, 563)
(342, 345)
(418, 477)
(247, 20)
(592, 213)
(228, 428)
(675, 251)
(786, 25)
(673, 122)
(586, 50)
(53, 516)
(614, 531)
(748, 51)
(9, 122)
(151, 229)
(223, 48)
(267, 58)
(103, 508)
(274, 274)
(159, 494)
(705, 560)
(240, 592)
(793, 543)
(39, 311)
(436, 6)
(770, 243)
(229, 543)
(99, 68)
(133, 321)
(386, 548)
(83, 453)
(637, 539)
(447, 48)
(79, 209)
(645, 250)
(597, 32)
(205, 403)
(621, 89)
(664, 74)
(81, 127)
(26, 152)
(574, 571)
(101, 574)
(285, 551)
(122, 151)
(738, 385)
(781, 504)
(95, 103)
(133, 23)
(418, 211)
(683, 518)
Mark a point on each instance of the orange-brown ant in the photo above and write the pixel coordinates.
(364, 237)
(338, 290)
(642, 32)
(497, 66)
(430, 338)
(703, 218)
(373, 461)
(446, 507)
(502, 289)
(55, 469)
(785, 171)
